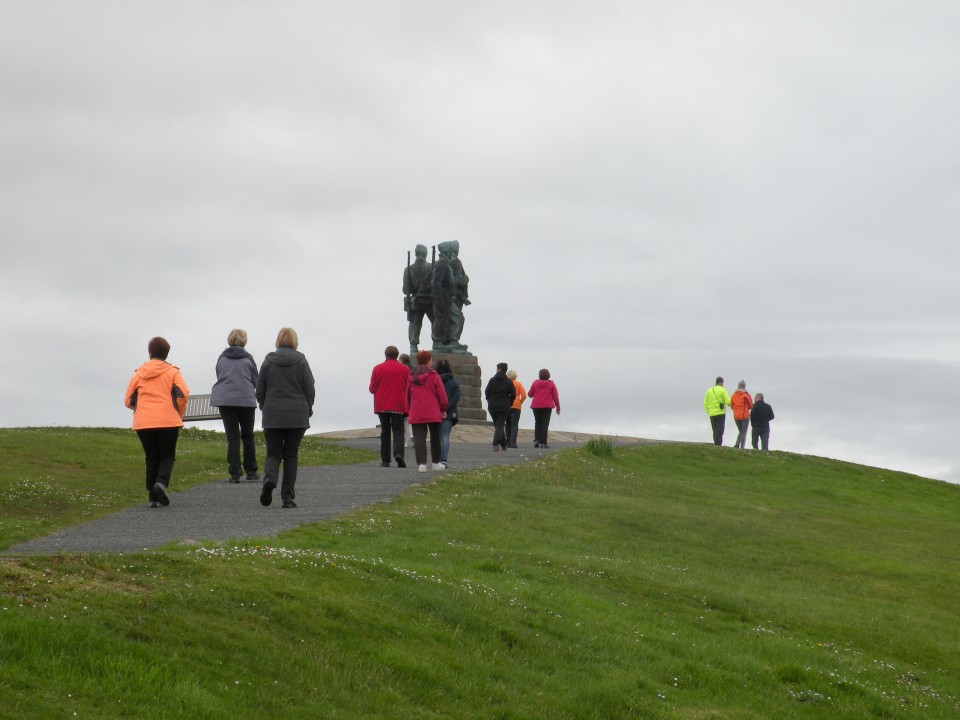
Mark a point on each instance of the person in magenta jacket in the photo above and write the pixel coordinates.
(543, 399)
(388, 385)
(427, 406)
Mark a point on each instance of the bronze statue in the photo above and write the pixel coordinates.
(418, 300)
(443, 292)
(460, 298)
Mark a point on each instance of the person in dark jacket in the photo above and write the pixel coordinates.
(500, 393)
(235, 395)
(760, 417)
(285, 393)
(452, 388)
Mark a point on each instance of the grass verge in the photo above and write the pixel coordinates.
(667, 581)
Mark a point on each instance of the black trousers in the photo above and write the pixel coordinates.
(717, 423)
(763, 435)
(420, 442)
(541, 424)
(500, 428)
(238, 425)
(391, 427)
(160, 451)
(283, 446)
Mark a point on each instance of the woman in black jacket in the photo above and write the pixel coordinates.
(500, 393)
(285, 393)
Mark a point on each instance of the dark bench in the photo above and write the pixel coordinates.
(199, 408)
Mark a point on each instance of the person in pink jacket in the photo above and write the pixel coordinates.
(543, 399)
(427, 406)
(157, 394)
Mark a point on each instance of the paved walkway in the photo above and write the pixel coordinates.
(223, 511)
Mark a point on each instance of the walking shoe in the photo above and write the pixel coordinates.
(400, 462)
(253, 476)
(384, 464)
(154, 504)
(160, 490)
(421, 468)
(234, 478)
(536, 444)
(496, 448)
(442, 465)
(437, 466)
(266, 493)
(289, 504)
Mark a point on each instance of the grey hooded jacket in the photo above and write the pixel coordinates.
(236, 379)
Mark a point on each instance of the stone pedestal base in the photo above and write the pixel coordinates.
(466, 369)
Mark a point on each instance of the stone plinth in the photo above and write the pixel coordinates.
(466, 369)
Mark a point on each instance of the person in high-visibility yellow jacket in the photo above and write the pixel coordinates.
(715, 402)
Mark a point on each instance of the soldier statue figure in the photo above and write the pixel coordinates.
(418, 300)
(443, 293)
(460, 298)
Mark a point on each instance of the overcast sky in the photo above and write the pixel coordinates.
(646, 194)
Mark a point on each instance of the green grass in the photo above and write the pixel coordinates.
(670, 581)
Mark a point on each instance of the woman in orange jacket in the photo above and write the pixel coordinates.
(741, 403)
(157, 394)
(513, 418)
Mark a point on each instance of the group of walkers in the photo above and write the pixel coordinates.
(283, 388)
(747, 412)
(427, 398)
(422, 396)
(505, 396)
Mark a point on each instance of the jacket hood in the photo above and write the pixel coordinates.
(285, 357)
(420, 373)
(235, 352)
(155, 368)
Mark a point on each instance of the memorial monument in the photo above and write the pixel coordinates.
(439, 291)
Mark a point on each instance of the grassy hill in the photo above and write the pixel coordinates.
(670, 581)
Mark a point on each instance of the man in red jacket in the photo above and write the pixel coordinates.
(388, 384)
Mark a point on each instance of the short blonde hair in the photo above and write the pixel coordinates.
(287, 337)
(237, 338)
(512, 374)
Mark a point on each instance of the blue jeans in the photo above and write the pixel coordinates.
(445, 428)
(513, 426)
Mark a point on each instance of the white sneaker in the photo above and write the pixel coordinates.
(422, 468)
(438, 466)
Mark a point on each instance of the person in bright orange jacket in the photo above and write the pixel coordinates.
(157, 394)
(513, 418)
(741, 403)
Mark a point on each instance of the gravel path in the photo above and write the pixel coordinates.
(222, 511)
